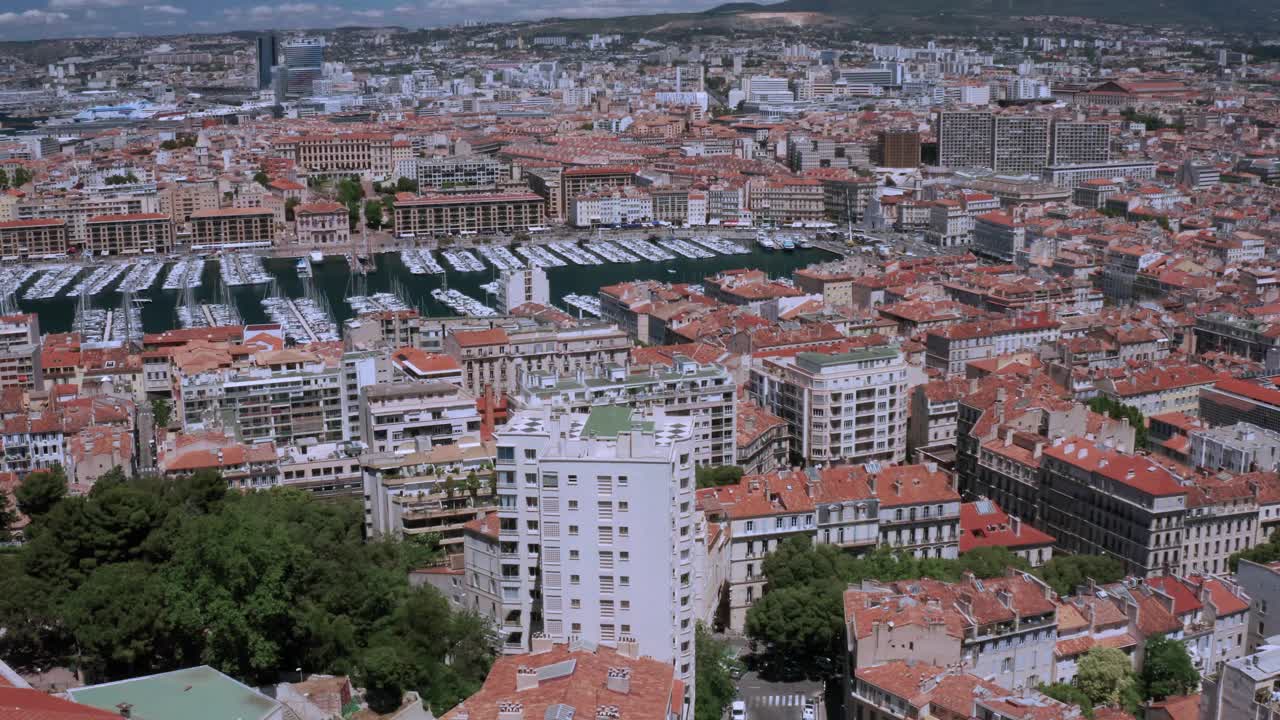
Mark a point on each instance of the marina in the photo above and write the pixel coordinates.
(186, 273)
(420, 262)
(539, 256)
(719, 245)
(141, 276)
(462, 261)
(584, 303)
(243, 269)
(463, 304)
(576, 254)
(51, 283)
(686, 249)
(645, 249)
(109, 326)
(335, 282)
(377, 302)
(611, 252)
(302, 319)
(98, 280)
(500, 257)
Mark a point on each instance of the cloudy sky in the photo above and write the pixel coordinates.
(34, 19)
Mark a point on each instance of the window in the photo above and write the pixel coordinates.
(531, 479)
(573, 554)
(623, 506)
(532, 525)
(624, 531)
(622, 481)
(506, 453)
(575, 603)
(573, 480)
(624, 581)
(573, 529)
(530, 454)
(751, 525)
(573, 504)
(550, 480)
(576, 628)
(624, 556)
(625, 604)
(574, 580)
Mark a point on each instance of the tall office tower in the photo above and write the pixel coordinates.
(898, 149)
(1081, 143)
(1020, 145)
(268, 56)
(304, 61)
(595, 531)
(964, 139)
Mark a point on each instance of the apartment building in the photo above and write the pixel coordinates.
(458, 172)
(1020, 145)
(763, 439)
(1072, 175)
(910, 508)
(428, 215)
(788, 200)
(144, 233)
(180, 199)
(1097, 501)
(555, 677)
(999, 236)
(596, 531)
(322, 225)
(848, 199)
(965, 139)
(228, 228)
(620, 205)
(1239, 448)
(703, 393)
(20, 352)
(1245, 688)
(906, 689)
(367, 154)
(1005, 628)
(1081, 143)
(951, 348)
(440, 491)
(1222, 518)
(285, 396)
(1229, 401)
(897, 148)
(840, 406)
(1159, 390)
(498, 356)
(76, 208)
(33, 239)
(401, 416)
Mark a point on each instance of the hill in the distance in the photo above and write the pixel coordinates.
(1242, 15)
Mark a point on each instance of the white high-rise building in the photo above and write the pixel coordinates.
(596, 531)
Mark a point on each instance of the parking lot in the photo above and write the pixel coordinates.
(772, 700)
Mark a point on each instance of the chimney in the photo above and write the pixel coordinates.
(1015, 524)
(575, 643)
(607, 712)
(126, 710)
(541, 643)
(508, 710)
(628, 647)
(526, 678)
(462, 713)
(897, 487)
(619, 680)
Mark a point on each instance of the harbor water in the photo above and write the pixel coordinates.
(334, 281)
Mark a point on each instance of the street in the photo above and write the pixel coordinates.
(770, 700)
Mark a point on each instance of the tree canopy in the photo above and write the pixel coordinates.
(712, 476)
(1105, 675)
(145, 575)
(1064, 573)
(1167, 669)
(715, 686)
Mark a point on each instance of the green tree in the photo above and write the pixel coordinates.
(1105, 675)
(21, 176)
(1071, 695)
(1266, 552)
(386, 674)
(161, 412)
(116, 618)
(4, 179)
(40, 491)
(1106, 406)
(715, 686)
(990, 562)
(289, 206)
(8, 517)
(405, 184)
(1167, 669)
(712, 476)
(373, 214)
(800, 627)
(1064, 573)
(261, 178)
